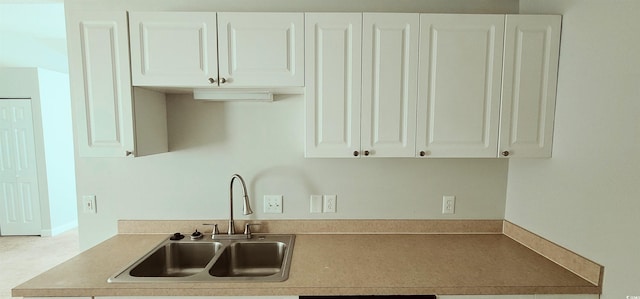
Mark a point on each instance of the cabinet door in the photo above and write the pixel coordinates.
(261, 49)
(459, 85)
(173, 49)
(333, 82)
(101, 88)
(389, 84)
(532, 44)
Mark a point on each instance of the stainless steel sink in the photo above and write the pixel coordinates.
(176, 260)
(261, 258)
(250, 259)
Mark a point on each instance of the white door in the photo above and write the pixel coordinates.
(459, 77)
(333, 83)
(532, 44)
(173, 49)
(389, 84)
(103, 107)
(19, 197)
(261, 49)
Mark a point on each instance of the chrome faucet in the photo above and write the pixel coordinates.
(246, 208)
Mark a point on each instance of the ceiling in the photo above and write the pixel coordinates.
(32, 34)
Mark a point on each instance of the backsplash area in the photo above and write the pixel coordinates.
(264, 142)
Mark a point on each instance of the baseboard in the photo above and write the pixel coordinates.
(59, 229)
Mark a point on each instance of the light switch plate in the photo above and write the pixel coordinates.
(315, 204)
(89, 204)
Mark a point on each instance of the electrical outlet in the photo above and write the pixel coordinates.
(329, 202)
(315, 204)
(273, 204)
(89, 204)
(448, 204)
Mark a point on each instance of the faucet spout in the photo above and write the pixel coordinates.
(246, 207)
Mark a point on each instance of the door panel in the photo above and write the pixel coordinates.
(333, 84)
(389, 84)
(173, 48)
(102, 103)
(532, 44)
(460, 79)
(261, 49)
(24, 140)
(6, 142)
(19, 197)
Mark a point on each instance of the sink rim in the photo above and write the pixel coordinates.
(124, 275)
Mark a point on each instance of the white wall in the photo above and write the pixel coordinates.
(587, 197)
(264, 142)
(434, 6)
(55, 103)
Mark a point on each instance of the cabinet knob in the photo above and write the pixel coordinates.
(212, 81)
(223, 80)
(506, 154)
(356, 153)
(423, 153)
(129, 153)
(366, 153)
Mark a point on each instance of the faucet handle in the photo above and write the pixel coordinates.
(247, 228)
(215, 229)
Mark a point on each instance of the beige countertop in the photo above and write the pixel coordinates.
(336, 264)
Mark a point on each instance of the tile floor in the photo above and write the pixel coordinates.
(24, 257)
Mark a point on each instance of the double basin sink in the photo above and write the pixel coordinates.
(260, 258)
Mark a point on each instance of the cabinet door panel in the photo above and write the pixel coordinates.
(333, 82)
(102, 102)
(261, 49)
(532, 45)
(173, 48)
(459, 85)
(389, 84)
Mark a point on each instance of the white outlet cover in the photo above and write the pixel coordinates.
(329, 203)
(448, 204)
(273, 204)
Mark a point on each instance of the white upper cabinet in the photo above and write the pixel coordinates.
(205, 49)
(459, 85)
(361, 90)
(389, 84)
(261, 49)
(532, 45)
(333, 81)
(101, 92)
(101, 88)
(173, 48)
